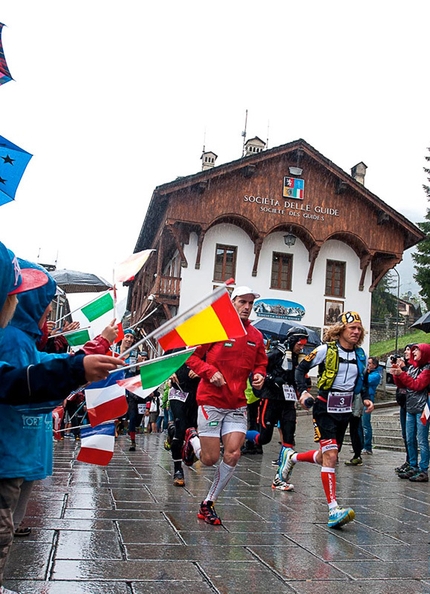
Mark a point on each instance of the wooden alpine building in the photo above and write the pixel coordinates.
(288, 222)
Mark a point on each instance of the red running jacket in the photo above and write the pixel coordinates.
(236, 359)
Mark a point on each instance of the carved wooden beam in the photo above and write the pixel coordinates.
(199, 248)
(364, 264)
(313, 254)
(380, 268)
(167, 311)
(257, 249)
(178, 244)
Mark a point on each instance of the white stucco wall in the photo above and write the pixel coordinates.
(196, 284)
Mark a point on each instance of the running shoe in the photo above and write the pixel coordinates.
(286, 465)
(178, 479)
(167, 446)
(408, 473)
(208, 514)
(339, 516)
(354, 462)
(280, 485)
(188, 456)
(419, 477)
(403, 468)
(132, 448)
(275, 463)
(367, 452)
(22, 531)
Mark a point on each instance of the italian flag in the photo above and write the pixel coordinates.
(76, 338)
(155, 372)
(100, 306)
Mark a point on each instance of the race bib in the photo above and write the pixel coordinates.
(175, 394)
(289, 393)
(339, 402)
(141, 408)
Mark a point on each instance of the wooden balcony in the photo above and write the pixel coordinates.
(167, 289)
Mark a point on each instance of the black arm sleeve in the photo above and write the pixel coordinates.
(51, 380)
(302, 370)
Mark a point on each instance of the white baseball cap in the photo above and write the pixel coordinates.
(243, 290)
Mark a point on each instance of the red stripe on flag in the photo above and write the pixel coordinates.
(232, 325)
(94, 456)
(120, 333)
(171, 340)
(108, 411)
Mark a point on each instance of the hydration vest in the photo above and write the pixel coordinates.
(326, 379)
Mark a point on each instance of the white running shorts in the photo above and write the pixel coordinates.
(216, 422)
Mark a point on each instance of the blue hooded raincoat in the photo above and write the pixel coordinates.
(26, 435)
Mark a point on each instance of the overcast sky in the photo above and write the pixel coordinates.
(105, 92)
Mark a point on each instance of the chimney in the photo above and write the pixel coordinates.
(253, 146)
(358, 172)
(208, 160)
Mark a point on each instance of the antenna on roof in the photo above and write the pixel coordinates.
(244, 134)
(267, 140)
(204, 140)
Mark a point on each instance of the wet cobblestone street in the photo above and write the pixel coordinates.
(125, 529)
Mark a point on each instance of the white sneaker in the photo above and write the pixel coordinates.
(286, 464)
(281, 485)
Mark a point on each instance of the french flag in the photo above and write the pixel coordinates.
(97, 444)
(106, 399)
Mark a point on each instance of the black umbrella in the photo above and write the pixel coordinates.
(73, 281)
(276, 328)
(423, 323)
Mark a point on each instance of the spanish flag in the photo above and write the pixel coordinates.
(211, 320)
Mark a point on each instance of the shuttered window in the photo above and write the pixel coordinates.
(225, 262)
(335, 278)
(282, 268)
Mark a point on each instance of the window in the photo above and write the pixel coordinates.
(282, 268)
(335, 278)
(225, 262)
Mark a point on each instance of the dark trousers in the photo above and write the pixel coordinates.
(356, 434)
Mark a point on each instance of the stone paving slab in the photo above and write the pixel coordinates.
(125, 529)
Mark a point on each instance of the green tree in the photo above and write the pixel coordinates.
(422, 255)
(384, 303)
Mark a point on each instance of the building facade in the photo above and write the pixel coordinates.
(306, 235)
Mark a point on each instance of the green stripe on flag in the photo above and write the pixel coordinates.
(97, 308)
(77, 338)
(157, 371)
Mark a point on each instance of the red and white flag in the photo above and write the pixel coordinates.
(97, 444)
(426, 414)
(106, 399)
(127, 270)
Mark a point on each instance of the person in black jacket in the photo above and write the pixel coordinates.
(279, 396)
(183, 406)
